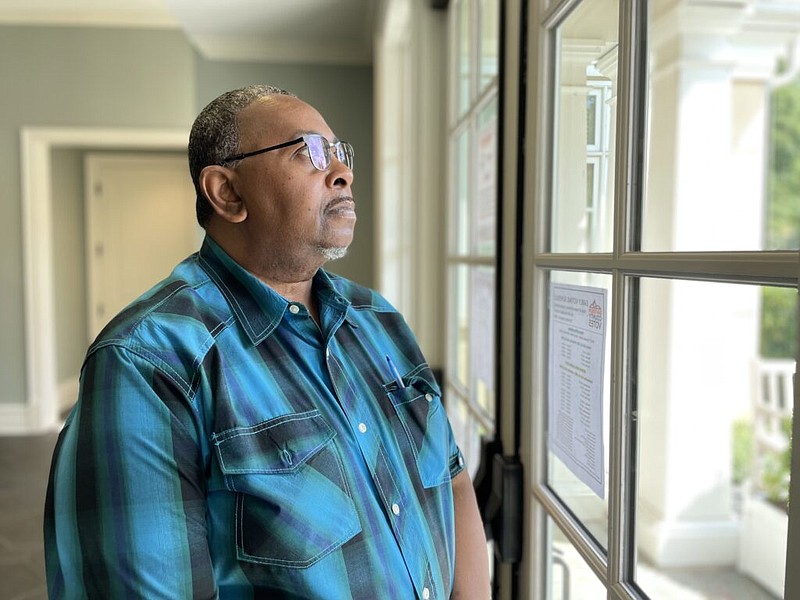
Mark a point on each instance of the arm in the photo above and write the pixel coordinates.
(472, 561)
(126, 498)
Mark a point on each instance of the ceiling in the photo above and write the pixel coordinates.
(317, 31)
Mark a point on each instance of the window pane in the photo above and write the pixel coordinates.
(471, 361)
(584, 127)
(569, 577)
(461, 219)
(714, 404)
(458, 326)
(572, 416)
(782, 229)
(481, 337)
(490, 36)
(723, 150)
(467, 429)
(485, 208)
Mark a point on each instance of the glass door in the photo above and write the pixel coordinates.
(660, 276)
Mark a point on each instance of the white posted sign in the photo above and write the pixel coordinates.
(575, 402)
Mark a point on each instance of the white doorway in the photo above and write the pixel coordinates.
(40, 412)
(140, 222)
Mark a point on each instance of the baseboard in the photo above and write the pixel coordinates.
(28, 419)
(14, 419)
(23, 419)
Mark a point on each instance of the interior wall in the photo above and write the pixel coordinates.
(115, 78)
(343, 95)
(81, 77)
(69, 264)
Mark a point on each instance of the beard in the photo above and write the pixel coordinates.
(333, 253)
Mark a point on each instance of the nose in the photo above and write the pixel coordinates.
(339, 174)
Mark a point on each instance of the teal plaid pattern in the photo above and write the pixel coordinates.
(226, 446)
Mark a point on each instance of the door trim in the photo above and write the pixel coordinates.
(40, 411)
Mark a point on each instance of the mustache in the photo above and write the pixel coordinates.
(339, 200)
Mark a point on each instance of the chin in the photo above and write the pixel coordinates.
(333, 253)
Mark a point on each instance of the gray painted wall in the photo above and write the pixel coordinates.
(74, 76)
(92, 77)
(69, 264)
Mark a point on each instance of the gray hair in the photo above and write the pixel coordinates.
(215, 136)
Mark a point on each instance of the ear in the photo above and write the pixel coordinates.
(216, 183)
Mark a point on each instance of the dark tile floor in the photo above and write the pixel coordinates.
(24, 466)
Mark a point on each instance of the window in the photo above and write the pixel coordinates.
(662, 176)
(472, 219)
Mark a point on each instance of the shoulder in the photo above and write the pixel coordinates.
(180, 315)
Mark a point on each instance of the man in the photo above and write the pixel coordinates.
(254, 426)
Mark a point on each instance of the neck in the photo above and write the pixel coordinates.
(301, 292)
(290, 281)
(288, 273)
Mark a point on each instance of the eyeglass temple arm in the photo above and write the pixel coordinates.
(236, 157)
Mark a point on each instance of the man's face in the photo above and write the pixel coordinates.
(297, 216)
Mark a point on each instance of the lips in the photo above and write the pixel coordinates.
(344, 205)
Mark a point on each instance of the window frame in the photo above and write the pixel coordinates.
(462, 121)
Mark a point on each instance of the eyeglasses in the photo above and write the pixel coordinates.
(317, 148)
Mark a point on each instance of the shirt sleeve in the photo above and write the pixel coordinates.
(125, 510)
(456, 461)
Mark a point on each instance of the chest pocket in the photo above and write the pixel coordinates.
(424, 421)
(293, 506)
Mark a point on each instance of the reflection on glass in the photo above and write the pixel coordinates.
(490, 36)
(714, 407)
(569, 576)
(461, 219)
(584, 127)
(723, 142)
(484, 210)
(577, 496)
(459, 326)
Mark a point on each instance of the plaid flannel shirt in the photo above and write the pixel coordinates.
(225, 445)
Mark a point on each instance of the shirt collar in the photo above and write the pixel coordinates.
(257, 306)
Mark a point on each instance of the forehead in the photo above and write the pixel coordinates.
(273, 118)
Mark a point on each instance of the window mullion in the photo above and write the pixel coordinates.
(631, 108)
(792, 581)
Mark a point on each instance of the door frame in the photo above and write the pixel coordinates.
(40, 410)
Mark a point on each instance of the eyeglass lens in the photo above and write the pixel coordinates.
(319, 150)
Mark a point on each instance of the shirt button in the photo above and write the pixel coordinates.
(362, 428)
(396, 509)
(426, 593)
(428, 397)
(294, 309)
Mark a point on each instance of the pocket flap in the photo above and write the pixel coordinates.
(279, 445)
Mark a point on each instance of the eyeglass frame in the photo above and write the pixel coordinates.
(331, 151)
